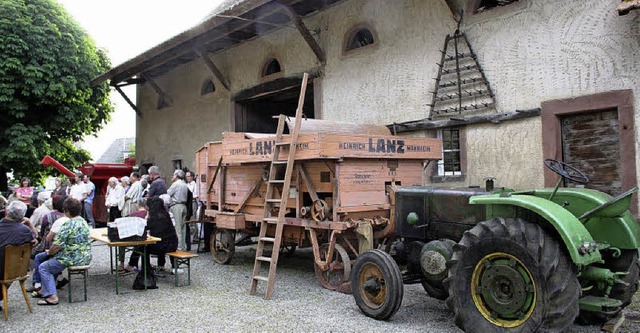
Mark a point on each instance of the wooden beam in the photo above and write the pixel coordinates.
(212, 67)
(249, 194)
(131, 104)
(306, 34)
(426, 124)
(158, 90)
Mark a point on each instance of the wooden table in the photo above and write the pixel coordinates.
(100, 234)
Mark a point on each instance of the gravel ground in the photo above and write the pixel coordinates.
(218, 301)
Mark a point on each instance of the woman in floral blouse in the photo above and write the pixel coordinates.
(71, 247)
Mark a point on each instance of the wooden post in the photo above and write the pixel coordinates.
(131, 104)
(306, 34)
(157, 88)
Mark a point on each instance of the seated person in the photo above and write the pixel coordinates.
(71, 247)
(15, 229)
(50, 226)
(159, 225)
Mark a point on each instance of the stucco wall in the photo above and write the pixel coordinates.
(182, 128)
(531, 51)
(535, 51)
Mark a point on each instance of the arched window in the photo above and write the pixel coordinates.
(272, 66)
(207, 88)
(358, 38)
(484, 5)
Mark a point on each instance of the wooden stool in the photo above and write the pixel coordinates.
(181, 258)
(78, 270)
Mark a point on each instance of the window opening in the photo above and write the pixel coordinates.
(489, 4)
(360, 38)
(207, 88)
(271, 67)
(177, 164)
(450, 165)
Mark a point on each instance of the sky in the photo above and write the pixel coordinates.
(125, 29)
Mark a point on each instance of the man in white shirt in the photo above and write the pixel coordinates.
(78, 189)
(115, 193)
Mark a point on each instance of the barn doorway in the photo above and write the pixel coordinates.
(255, 114)
(591, 143)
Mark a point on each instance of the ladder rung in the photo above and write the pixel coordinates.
(261, 278)
(267, 259)
(274, 200)
(279, 162)
(276, 181)
(268, 239)
(270, 219)
(285, 143)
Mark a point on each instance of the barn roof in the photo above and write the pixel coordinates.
(230, 24)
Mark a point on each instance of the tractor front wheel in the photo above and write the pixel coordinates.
(510, 275)
(377, 284)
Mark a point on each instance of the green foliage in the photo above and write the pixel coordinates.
(47, 62)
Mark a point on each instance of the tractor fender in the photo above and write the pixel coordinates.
(571, 230)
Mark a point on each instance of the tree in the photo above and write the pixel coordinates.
(47, 62)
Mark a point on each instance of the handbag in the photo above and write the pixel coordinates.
(139, 282)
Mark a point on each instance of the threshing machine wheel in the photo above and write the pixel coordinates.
(339, 269)
(320, 210)
(519, 279)
(566, 171)
(223, 245)
(626, 262)
(377, 284)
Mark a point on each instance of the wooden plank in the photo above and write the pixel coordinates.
(308, 183)
(423, 124)
(335, 145)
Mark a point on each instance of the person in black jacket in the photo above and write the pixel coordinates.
(159, 225)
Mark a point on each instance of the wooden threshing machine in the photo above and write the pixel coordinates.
(329, 185)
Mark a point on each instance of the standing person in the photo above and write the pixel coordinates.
(157, 187)
(178, 193)
(77, 190)
(71, 247)
(87, 204)
(195, 204)
(25, 191)
(60, 190)
(115, 193)
(133, 196)
(123, 205)
(14, 230)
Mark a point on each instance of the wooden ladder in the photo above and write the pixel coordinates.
(271, 200)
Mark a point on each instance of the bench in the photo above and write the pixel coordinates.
(78, 270)
(180, 259)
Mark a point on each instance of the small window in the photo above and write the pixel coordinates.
(272, 66)
(485, 5)
(358, 38)
(162, 103)
(207, 88)
(450, 164)
(177, 164)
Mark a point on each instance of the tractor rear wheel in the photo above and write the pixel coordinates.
(510, 275)
(626, 262)
(377, 284)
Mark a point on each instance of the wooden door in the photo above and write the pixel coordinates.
(591, 143)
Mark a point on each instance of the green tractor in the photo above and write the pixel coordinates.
(512, 261)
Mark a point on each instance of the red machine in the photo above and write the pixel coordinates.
(100, 174)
